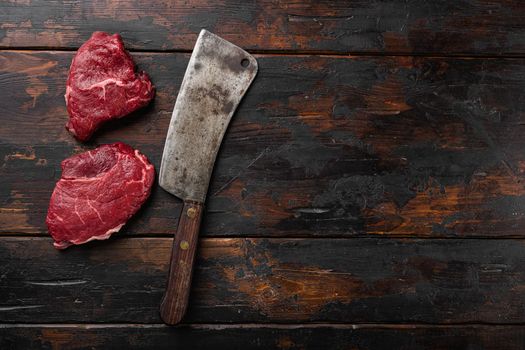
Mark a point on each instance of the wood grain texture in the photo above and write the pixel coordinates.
(268, 281)
(175, 300)
(243, 337)
(323, 146)
(424, 26)
(334, 146)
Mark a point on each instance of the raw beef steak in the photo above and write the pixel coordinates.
(98, 192)
(103, 85)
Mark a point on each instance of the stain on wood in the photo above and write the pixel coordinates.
(338, 146)
(284, 337)
(446, 26)
(269, 281)
(369, 120)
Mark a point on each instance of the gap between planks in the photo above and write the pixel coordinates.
(285, 237)
(221, 326)
(349, 54)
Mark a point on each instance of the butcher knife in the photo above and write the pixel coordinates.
(217, 77)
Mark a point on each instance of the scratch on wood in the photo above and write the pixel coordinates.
(304, 18)
(312, 210)
(56, 283)
(11, 308)
(223, 187)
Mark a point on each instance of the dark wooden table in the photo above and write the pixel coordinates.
(369, 193)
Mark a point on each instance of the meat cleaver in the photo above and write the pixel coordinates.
(217, 77)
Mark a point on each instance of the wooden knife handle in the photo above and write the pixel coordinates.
(175, 299)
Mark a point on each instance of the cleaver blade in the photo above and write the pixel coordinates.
(218, 75)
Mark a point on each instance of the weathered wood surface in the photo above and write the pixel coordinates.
(268, 281)
(425, 26)
(322, 146)
(335, 146)
(241, 337)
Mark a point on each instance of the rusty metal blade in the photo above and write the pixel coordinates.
(217, 77)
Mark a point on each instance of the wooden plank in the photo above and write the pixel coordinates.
(484, 27)
(243, 337)
(332, 146)
(269, 281)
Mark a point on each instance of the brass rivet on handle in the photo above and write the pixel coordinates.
(191, 213)
(184, 245)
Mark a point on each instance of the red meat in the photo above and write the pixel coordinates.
(103, 85)
(98, 192)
